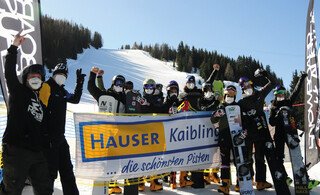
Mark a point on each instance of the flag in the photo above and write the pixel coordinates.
(15, 16)
(311, 113)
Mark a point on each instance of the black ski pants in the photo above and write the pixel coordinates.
(20, 163)
(259, 142)
(279, 142)
(59, 160)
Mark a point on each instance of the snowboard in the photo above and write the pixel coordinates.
(278, 176)
(217, 88)
(132, 102)
(233, 114)
(300, 174)
(109, 104)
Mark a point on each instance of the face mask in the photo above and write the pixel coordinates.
(208, 94)
(190, 85)
(60, 79)
(127, 90)
(117, 89)
(248, 91)
(156, 92)
(173, 94)
(149, 91)
(35, 83)
(229, 100)
(279, 99)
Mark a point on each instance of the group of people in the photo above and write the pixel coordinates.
(35, 147)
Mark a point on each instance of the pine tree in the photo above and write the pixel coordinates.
(229, 73)
(298, 110)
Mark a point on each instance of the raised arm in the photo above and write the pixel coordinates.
(10, 65)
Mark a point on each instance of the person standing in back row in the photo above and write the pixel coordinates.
(26, 135)
(55, 97)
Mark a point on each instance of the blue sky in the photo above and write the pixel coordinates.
(272, 31)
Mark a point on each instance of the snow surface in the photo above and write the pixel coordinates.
(134, 65)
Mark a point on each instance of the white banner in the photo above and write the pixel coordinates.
(117, 147)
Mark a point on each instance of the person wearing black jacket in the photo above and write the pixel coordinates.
(55, 97)
(220, 121)
(208, 102)
(152, 104)
(254, 119)
(276, 119)
(26, 135)
(116, 91)
(192, 94)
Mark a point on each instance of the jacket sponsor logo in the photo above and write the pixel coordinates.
(35, 110)
(107, 140)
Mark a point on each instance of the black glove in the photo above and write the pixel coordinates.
(304, 74)
(80, 76)
(260, 72)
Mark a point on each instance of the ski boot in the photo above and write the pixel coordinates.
(155, 185)
(184, 181)
(141, 186)
(114, 190)
(313, 183)
(225, 186)
(214, 177)
(261, 185)
(173, 183)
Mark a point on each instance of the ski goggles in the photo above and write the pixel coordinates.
(118, 83)
(149, 86)
(279, 92)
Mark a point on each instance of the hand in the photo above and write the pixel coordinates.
(100, 72)
(18, 40)
(303, 74)
(216, 67)
(95, 69)
(80, 76)
(173, 110)
(260, 72)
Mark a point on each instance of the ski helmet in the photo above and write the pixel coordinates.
(279, 89)
(191, 79)
(206, 87)
(149, 84)
(159, 86)
(118, 80)
(60, 68)
(230, 90)
(32, 69)
(244, 82)
(128, 85)
(173, 84)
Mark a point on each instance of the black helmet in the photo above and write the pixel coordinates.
(173, 84)
(279, 89)
(34, 68)
(191, 79)
(206, 86)
(159, 86)
(128, 85)
(244, 81)
(60, 68)
(118, 80)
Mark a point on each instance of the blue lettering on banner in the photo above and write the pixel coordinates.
(159, 163)
(191, 133)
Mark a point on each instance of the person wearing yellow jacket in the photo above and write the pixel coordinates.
(55, 97)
